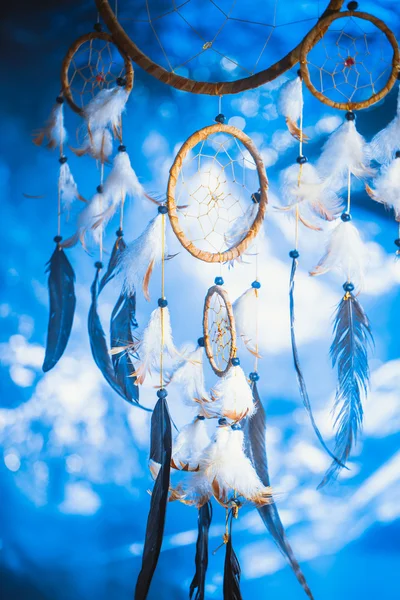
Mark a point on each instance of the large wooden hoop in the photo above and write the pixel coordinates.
(201, 87)
(317, 34)
(235, 251)
(65, 83)
(217, 289)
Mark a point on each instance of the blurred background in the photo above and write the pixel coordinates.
(73, 464)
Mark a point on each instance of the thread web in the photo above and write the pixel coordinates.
(351, 63)
(97, 64)
(219, 332)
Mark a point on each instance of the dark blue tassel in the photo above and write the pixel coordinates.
(201, 560)
(231, 568)
(352, 334)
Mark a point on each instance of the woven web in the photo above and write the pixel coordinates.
(351, 63)
(219, 332)
(214, 188)
(97, 64)
(208, 39)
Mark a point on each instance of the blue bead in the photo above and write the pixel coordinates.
(99, 189)
(219, 281)
(236, 427)
(162, 209)
(254, 376)
(301, 160)
(200, 417)
(397, 155)
(348, 286)
(352, 6)
(121, 81)
(222, 421)
(122, 148)
(350, 116)
(256, 197)
(60, 100)
(98, 264)
(200, 342)
(235, 361)
(220, 118)
(294, 254)
(62, 160)
(119, 233)
(345, 216)
(397, 242)
(256, 285)
(162, 302)
(162, 393)
(58, 239)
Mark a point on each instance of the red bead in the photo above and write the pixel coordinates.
(100, 77)
(349, 62)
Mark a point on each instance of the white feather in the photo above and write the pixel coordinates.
(385, 143)
(230, 472)
(345, 150)
(97, 144)
(189, 374)
(67, 186)
(346, 253)
(194, 490)
(232, 396)
(142, 255)
(122, 180)
(312, 197)
(189, 445)
(290, 99)
(54, 131)
(87, 218)
(240, 226)
(387, 186)
(106, 108)
(245, 310)
(150, 346)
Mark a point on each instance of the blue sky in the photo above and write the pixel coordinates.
(73, 456)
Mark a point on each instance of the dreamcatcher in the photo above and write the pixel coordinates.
(216, 203)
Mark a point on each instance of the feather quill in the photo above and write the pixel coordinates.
(345, 151)
(62, 307)
(231, 583)
(54, 131)
(290, 105)
(255, 434)
(345, 252)
(296, 360)
(161, 440)
(201, 560)
(384, 144)
(352, 334)
(142, 255)
(118, 248)
(386, 188)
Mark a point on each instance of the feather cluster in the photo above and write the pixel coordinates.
(54, 131)
(88, 220)
(231, 396)
(290, 105)
(150, 347)
(346, 252)
(142, 255)
(345, 152)
(386, 188)
(245, 310)
(189, 374)
(105, 110)
(98, 144)
(190, 445)
(230, 471)
(352, 333)
(306, 191)
(385, 143)
(67, 187)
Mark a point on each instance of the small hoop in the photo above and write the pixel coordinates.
(186, 84)
(228, 329)
(235, 251)
(318, 33)
(74, 48)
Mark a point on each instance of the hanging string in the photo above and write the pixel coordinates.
(297, 217)
(101, 210)
(348, 190)
(257, 313)
(59, 182)
(162, 297)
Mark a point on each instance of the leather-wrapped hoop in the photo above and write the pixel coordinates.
(219, 364)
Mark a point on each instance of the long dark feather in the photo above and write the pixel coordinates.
(123, 321)
(255, 432)
(352, 334)
(161, 439)
(117, 250)
(231, 569)
(299, 374)
(201, 560)
(62, 306)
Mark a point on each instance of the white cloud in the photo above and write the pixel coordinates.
(80, 499)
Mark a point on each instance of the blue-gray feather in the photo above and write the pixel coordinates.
(352, 335)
